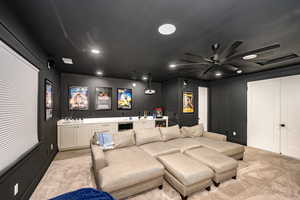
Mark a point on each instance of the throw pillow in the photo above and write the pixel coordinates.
(170, 132)
(192, 131)
(144, 136)
(124, 139)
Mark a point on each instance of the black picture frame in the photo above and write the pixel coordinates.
(188, 107)
(85, 95)
(109, 92)
(48, 99)
(122, 107)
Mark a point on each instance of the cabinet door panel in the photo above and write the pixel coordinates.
(68, 137)
(85, 134)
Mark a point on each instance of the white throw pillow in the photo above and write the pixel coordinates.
(192, 131)
(124, 139)
(170, 132)
(149, 135)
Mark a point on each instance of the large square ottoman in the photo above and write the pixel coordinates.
(185, 174)
(225, 168)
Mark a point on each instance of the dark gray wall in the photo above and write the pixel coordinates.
(31, 167)
(172, 97)
(141, 101)
(228, 102)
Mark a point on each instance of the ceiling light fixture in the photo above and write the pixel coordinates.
(68, 61)
(218, 74)
(172, 65)
(166, 29)
(249, 57)
(95, 51)
(144, 77)
(133, 84)
(99, 73)
(239, 71)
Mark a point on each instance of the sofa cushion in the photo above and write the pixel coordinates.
(184, 143)
(215, 160)
(170, 132)
(128, 167)
(144, 136)
(192, 131)
(226, 148)
(159, 148)
(187, 170)
(124, 139)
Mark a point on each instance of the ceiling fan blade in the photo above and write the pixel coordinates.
(207, 70)
(231, 67)
(190, 63)
(229, 51)
(198, 56)
(255, 51)
(278, 59)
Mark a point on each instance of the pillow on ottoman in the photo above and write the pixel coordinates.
(192, 131)
(170, 132)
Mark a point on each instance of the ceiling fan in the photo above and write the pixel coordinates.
(221, 60)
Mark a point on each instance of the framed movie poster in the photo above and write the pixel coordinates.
(124, 99)
(103, 98)
(188, 102)
(78, 98)
(48, 99)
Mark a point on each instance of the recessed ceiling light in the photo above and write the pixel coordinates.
(218, 74)
(145, 77)
(95, 51)
(167, 29)
(239, 71)
(68, 61)
(249, 57)
(172, 65)
(99, 73)
(133, 84)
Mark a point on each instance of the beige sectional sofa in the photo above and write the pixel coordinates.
(141, 159)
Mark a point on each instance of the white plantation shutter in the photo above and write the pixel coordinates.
(18, 106)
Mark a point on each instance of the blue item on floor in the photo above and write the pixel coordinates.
(85, 194)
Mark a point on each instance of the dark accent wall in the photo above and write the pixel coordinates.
(172, 97)
(228, 102)
(141, 101)
(32, 166)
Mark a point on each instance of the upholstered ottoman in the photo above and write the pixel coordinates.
(224, 167)
(185, 174)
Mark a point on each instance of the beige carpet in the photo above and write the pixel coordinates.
(261, 176)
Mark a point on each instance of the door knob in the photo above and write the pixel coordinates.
(282, 125)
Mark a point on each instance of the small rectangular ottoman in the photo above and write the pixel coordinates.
(224, 167)
(185, 174)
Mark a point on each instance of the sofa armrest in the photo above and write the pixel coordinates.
(215, 136)
(98, 158)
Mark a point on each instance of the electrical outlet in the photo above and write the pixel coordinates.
(234, 133)
(51, 147)
(16, 189)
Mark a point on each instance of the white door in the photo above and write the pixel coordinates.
(202, 91)
(263, 130)
(290, 116)
(68, 137)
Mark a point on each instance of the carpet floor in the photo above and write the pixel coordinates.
(261, 176)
